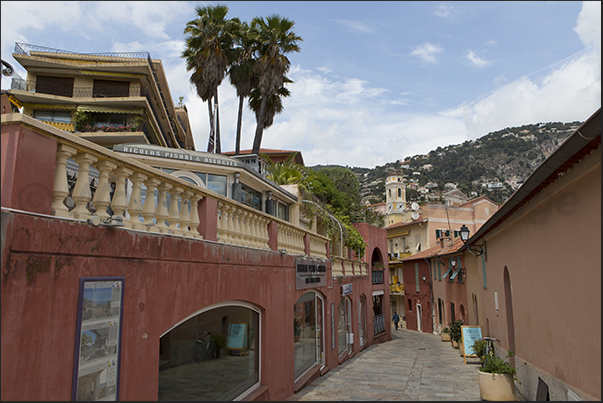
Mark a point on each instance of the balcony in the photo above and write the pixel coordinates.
(395, 289)
(179, 209)
(378, 324)
(68, 91)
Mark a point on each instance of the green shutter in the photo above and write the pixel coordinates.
(484, 270)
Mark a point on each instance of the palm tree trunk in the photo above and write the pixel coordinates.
(217, 117)
(259, 130)
(239, 125)
(210, 146)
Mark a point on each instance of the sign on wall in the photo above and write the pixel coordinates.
(470, 334)
(98, 339)
(346, 289)
(310, 273)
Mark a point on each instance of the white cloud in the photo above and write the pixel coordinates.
(445, 11)
(572, 92)
(427, 52)
(476, 60)
(588, 25)
(356, 26)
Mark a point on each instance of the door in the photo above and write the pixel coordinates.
(419, 318)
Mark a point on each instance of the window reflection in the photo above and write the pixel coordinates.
(211, 356)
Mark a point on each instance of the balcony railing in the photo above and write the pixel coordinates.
(379, 324)
(377, 276)
(396, 289)
(76, 92)
(174, 211)
(26, 49)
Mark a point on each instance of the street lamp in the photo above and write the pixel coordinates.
(464, 231)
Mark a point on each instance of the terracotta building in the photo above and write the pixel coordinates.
(534, 273)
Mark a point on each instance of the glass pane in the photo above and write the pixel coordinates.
(304, 333)
(341, 326)
(217, 183)
(210, 357)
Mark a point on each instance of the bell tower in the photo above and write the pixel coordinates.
(395, 193)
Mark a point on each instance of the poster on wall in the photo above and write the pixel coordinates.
(98, 339)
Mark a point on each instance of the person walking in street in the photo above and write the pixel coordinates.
(396, 319)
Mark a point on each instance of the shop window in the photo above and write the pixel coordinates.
(307, 332)
(344, 325)
(251, 197)
(217, 183)
(213, 355)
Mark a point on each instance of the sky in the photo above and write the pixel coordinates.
(374, 82)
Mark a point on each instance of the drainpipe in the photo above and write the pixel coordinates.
(433, 326)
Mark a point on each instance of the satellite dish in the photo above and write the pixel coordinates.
(414, 215)
(414, 206)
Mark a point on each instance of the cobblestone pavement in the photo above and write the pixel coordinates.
(412, 366)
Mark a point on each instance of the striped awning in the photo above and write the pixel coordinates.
(111, 74)
(108, 109)
(49, 106)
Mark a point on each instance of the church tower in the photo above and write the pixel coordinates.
(395, 193)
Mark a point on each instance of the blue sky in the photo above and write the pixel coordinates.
(375, 81)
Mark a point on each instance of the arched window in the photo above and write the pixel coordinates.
(399, 192)
(212, 355)
(307, 332)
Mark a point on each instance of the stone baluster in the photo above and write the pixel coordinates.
(194, 217)
(254, 231)
(185, 214)
(162, 207)
(60, 188)
(102, 196)
(149, 207)
(230, 225)
(264, 232)
(135, 204)
(245, 229)
(174, 212)
(119, 202)
(236, 225)
(222, 222)
(81, 192)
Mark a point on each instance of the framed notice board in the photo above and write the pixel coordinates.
(469, 334)
(237, 337)
(98, 339)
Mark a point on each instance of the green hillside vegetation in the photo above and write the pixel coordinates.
(508, 155)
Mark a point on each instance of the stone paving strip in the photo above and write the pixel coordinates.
(412, 366)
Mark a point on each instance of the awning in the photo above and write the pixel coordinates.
(107, 109)
(15, 101)
(111, 74)
(49, 106)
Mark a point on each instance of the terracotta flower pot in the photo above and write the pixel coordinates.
(496, 387)
(445, 336)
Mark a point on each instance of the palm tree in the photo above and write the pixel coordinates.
(274, 38)
(209, 51)
(242, 75)
(274, 104)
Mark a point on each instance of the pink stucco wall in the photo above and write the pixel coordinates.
(551, 248)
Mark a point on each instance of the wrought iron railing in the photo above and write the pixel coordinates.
(76, 92)
(379, 324)
(26, 49)
(377, 276)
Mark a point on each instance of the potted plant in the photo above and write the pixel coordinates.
(296, 330)
(445, 334)
(220, 341)
(455, 332)
(496, 375)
